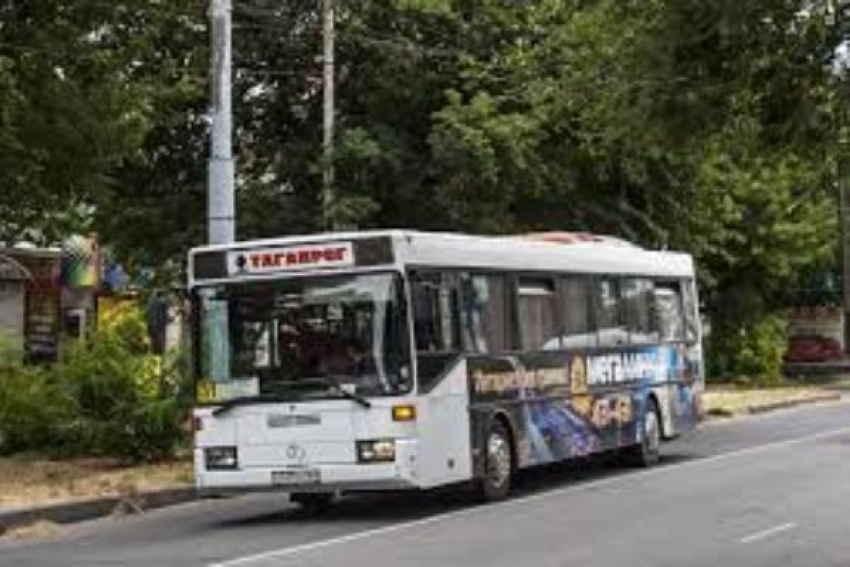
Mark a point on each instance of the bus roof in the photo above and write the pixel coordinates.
(555, 252)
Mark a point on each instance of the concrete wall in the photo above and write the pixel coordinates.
(827, 322)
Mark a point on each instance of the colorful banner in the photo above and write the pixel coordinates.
(80, 263)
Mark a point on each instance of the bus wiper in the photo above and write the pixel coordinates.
(248, 400)
(337, 387)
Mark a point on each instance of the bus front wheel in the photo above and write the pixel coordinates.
(495, 484)
(313, 502)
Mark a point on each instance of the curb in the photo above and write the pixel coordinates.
(830, 397)
(81, 510)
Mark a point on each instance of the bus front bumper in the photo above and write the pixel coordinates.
(398, 475)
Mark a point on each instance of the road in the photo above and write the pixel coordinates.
(770, 490)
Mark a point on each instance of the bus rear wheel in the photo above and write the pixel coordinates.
(648, 452)
(496, 482)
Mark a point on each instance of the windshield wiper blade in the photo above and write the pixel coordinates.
(353, 396)
(247, 400)
(337, 387)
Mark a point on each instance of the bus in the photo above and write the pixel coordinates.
(398, 359)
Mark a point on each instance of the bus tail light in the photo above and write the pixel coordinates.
(404, 413)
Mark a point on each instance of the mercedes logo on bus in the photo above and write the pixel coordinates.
(295, 452)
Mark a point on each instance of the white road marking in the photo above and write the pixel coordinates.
(764, 534)
(591, 485)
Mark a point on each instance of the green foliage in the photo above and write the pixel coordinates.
(754, 350)
(11, 350)
(35, 412)
(703, 126)
(86, 87)
(105, 398)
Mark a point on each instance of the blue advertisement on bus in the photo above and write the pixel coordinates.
(575, 404)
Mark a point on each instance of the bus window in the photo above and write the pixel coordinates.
(691, 312)
(260, 337)
(435, 313)
(610, 330)
(637, 300)
(483, 313)
(670, 321)
(576, 308)
(215, 341)
(436, 325)
(538, 327)
(252, 346)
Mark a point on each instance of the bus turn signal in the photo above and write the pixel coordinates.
(404, 413)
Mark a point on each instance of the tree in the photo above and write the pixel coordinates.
(702, 126)
(85, 84)
(156, 207)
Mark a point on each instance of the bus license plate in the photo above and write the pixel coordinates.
(295, 476)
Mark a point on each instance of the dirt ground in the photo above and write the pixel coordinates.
(30, 480)
(727, 401)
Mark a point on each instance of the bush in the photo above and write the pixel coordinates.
(11, 351)
(32, 407)
(106, 398)
(752, 351)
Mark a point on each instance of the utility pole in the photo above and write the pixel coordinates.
(844, 221)
(328, 48)
(840, 9)
(220, 198)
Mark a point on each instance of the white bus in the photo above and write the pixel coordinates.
(395, 359)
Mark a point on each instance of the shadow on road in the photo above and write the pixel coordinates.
(408, 506)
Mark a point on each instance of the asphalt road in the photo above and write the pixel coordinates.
(769, 490)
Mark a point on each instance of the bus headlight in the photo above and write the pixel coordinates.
(376, 451)
(220, 458)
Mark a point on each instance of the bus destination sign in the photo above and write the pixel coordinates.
(291, 258)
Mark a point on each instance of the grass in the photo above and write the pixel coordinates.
(731, 400)
(35, 481)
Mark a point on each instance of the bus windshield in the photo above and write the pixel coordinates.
(304, 336)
